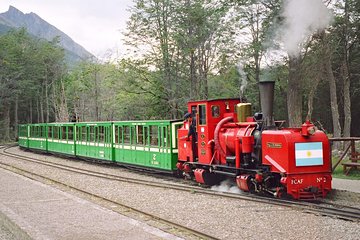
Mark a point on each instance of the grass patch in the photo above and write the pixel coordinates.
(339, 172)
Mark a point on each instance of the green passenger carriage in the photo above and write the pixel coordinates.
(150, 144)
(93, 140)
(145, 144)
(37, 136)
(61, 138)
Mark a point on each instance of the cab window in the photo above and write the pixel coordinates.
(215, 111)
(202, 114)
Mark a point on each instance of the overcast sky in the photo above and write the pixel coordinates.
(94, 24)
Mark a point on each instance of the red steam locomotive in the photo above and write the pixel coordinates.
(260, 155)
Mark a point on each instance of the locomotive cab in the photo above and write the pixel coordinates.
(207, 114)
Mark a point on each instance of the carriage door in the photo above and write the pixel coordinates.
(164, 146)
(146, 144)
(133, 136)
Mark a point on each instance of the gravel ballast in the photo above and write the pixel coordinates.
(220, 217)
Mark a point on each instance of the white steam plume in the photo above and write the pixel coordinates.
(302, 18)
(244, 82)
(226, 186)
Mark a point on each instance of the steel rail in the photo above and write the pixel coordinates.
(185, 230)
(338, 211)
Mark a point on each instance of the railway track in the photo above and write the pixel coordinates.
(323, 209)
(184, 231)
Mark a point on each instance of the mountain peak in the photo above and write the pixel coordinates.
(14, 10)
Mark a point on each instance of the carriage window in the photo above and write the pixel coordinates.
(133, 135)
(107, 134)
(126, 134)
(53, 132)
(121, 131)
(101, 130)
(146, 134)
(56, 132)
(91, 134)
(215, 111)
(117, 134)
(50, 130)
(140, 135)
(83, 133)
(63, 132)
(202, 114)
(70, 132)
(120, 135)
(154, 140)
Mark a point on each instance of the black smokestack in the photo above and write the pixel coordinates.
(266, 88)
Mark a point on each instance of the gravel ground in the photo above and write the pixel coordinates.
(10, 231)
(220, 217)
(5, 234)
(343, 197)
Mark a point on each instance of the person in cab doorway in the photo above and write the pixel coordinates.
(189, 117)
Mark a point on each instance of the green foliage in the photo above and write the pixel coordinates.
(27, 67)
(339, 171)
(180, 51)
(226, 85)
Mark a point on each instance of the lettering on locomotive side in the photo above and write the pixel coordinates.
(321, 179)
(273, 145)
(296, 181)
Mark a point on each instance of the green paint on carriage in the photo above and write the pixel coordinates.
(61, 138)
(37, 136)
(148, 144)
(93, 140)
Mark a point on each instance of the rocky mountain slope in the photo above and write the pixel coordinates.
(38, 27)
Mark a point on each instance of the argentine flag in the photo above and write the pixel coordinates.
(309, 154)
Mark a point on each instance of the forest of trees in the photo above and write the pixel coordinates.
(181, 50)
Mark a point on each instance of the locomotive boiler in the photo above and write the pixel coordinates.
(255, 151)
